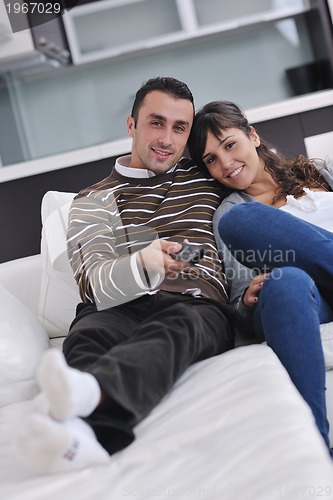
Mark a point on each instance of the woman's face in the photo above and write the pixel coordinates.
(233, 159)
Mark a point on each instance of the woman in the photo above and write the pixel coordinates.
(288, 259)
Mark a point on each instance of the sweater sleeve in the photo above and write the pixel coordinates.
(238, 276)
(105, 276)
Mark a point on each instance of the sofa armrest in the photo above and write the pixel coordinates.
(21, 277)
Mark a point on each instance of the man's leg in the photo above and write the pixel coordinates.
(134, 373)
(288, 317)
(52, 439)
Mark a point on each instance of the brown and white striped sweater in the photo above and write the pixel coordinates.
(118, 216)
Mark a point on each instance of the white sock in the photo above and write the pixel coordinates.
(69, 392)
(45, 446)
(40, 404)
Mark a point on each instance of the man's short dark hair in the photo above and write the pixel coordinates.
(166, 84)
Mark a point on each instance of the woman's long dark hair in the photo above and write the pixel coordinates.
(291, 176)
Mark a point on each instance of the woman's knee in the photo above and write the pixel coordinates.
(285, 283)
(244, 214)
(232, 219)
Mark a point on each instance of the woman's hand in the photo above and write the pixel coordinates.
(250, 297)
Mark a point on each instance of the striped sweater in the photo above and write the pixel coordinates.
(113, 219)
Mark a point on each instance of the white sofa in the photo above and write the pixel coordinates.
(233, 427)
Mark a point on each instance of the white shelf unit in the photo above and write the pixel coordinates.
(112, 28)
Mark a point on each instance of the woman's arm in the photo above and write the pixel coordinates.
(239, 277)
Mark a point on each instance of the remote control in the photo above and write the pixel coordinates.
(189, 254)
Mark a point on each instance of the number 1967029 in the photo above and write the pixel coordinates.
(31, 7)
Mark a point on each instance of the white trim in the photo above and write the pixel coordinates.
(299, 104)
(122, 146)
(187, 15)
(64, 160)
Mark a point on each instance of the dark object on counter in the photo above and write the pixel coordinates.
(310, 77)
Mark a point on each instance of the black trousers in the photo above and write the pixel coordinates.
(138, 350)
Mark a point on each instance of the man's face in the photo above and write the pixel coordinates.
(161, 132)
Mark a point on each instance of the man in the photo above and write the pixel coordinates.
(146, 315)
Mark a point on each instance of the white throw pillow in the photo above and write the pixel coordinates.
(22, 342)
(59, 293)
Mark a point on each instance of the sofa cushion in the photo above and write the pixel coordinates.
(22, 342)
(59, 293)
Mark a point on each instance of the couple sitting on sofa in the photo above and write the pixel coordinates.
(146, 314)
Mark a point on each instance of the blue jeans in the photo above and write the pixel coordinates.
(296, 297)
